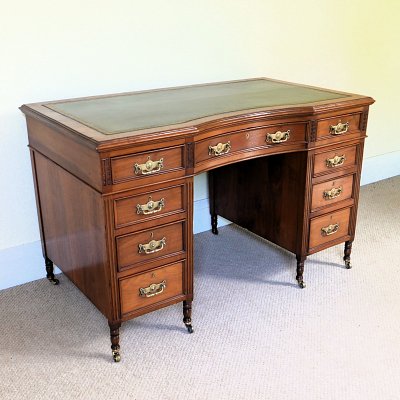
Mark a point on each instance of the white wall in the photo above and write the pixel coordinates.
(52, 50)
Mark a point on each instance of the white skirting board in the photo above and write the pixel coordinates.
(24, 263)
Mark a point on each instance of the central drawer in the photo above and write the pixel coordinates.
(150, 245)
(267, 136)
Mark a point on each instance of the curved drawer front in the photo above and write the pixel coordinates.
(335, 160)
(338, 126)
(331, 192)
(329, 227)
(147, 164)
(149, 245)
(150, 205)
(268, 136)
(151, 287)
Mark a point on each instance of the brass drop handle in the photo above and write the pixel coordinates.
(153, 246)
(278, 137)
(329, 230)
(219, 149)
(333, 193)
(153, 290)
(336, 161)
(339, 128)
(149, 167)
(151, 207)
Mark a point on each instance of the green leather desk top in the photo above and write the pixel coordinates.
(143, 110)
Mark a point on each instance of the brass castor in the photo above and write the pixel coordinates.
(190, 328)
(347, 264)
(302, 285)
(54, 281)
(116, 356)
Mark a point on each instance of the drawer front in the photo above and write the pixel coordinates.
(151, 244)
(339, 125)
(334, 160)
(150, 205)
(329, 227)
(274, 135)
(151, 287)
(147, 164)
(331, 192)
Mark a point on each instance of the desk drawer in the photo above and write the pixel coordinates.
(149, 245)
(151, 287)
(334, 160)
(274, 135)
(339, 125)
(150, 205)
(331, 192)
(147, 164)
(329, 227)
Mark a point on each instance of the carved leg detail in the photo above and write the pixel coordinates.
(300, 271)
(114, 334)
(50, 272)
(187, 315)
(214, 224)
(347, 252)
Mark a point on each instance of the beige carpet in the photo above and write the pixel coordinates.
(257, 336)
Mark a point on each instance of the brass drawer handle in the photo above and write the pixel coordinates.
(336, 161)
(151, 207)
(339, 128)
(219, 149)
(329, 230)
(153, 290)
(278, 137)
(333, 193)
(153, 246)
(149, 167)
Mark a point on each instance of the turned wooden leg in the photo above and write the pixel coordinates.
(50, 271)
(300, 270)
(187, 315)
(347, 252)
(114, 334)
(214, 224)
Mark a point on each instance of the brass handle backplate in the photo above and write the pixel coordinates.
(153, 246)
(219, 149)
(329, 230)
(149, 167)
(333, 193)
(153, 290)
(336, 161)
(151, 207)
(339, 128)
(278, 137)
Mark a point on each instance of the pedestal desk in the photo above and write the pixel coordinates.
(114, 182)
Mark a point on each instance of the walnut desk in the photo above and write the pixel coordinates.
(114, 182)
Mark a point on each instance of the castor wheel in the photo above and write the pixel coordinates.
(116, 356)
(190, 328)
(302, 285)
(54, 281)
(347, 264)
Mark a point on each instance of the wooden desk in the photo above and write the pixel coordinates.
(114, 182)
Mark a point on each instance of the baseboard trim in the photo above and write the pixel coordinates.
(24, 263)
(380, 167)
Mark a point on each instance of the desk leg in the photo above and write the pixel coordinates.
(214, 224)
(114, 334)
(347, 252)
(50, 271)
(187, 315)
(300, 270)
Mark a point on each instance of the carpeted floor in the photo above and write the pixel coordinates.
(257, 335)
